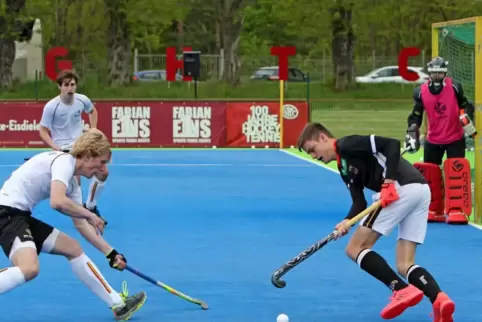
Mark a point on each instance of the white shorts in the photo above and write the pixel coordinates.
(410, 213)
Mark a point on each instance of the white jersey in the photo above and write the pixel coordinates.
(65, 121)
(30, 183)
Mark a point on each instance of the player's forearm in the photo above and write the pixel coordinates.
(89, 233)
(93, 118)
(44, 135)
(359, 203)
(468, 109)
(459, 94)
(356, 208)
(416, 117)
(67, 207)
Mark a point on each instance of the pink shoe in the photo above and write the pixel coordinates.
(443, 308)
(400, 301)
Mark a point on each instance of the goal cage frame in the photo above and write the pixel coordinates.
(477, 101)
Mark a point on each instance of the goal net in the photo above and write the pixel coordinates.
(456, 41)
(457, 45)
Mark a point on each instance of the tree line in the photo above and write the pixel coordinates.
(104, 33)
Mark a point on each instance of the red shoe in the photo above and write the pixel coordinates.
(402, 300)
(443, 308)
(433, 216)
(457, 218)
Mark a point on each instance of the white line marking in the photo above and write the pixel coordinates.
(310, 161)
(475, 225)
(171, 164)
(175, 165)
(335, 171)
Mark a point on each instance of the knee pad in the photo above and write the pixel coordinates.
(458, 186)
(433, 175)
(49, 243)
(18, 244)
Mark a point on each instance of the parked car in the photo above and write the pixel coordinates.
(390, 74)
(270, 73)
(153, 76)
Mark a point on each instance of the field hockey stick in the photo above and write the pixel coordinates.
(275, 278)
(166, 287)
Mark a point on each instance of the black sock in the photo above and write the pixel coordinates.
(421, 279)
(377, 266)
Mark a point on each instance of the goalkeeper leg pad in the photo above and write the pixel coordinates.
(458, 190)
(433, 175)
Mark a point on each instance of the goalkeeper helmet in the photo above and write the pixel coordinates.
(437, 70)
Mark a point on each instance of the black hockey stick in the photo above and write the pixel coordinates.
(275, 278)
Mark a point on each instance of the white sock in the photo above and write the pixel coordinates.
(10, 278)
(88, 273)
(95, 188)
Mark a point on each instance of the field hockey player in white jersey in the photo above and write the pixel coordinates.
(53, 175)
(61, 125)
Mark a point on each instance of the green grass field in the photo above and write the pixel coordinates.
(383, 117)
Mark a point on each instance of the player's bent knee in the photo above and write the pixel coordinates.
(363, 238)
(66, 246)
(30, 271)
(26, 259)
(75, 249)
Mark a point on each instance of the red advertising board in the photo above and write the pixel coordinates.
(163, 124)
(258, 123)
(167, 123)
(19, 124)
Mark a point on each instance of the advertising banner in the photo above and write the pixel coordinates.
(19, 125)
(167, 123)
(258, 123)
(163, 124)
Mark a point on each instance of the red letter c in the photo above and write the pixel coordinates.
(403, 63)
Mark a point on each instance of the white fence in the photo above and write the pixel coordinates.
(320, 68)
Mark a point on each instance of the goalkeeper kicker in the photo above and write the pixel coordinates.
(449, 119)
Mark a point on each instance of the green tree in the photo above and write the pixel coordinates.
(12, 23)
(230, 19)
(342, 43)
(102, 34)
(138, 21)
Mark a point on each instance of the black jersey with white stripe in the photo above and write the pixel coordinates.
(366, 161)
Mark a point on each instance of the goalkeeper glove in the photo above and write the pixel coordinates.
(469, 128)
(412, 139)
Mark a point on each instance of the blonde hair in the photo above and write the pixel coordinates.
(91, 144)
